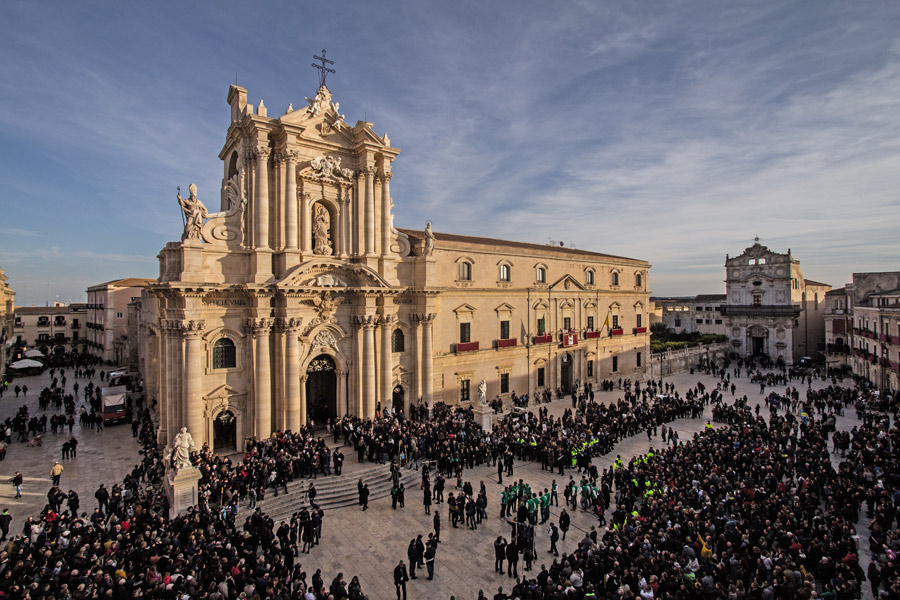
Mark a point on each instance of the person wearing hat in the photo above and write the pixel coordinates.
(55, 472)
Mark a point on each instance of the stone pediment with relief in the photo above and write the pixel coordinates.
(567, 282)
(332, 274)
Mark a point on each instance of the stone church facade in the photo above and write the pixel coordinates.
(300, 300)
(771, 310)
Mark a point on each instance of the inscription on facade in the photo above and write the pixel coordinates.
(224, 302)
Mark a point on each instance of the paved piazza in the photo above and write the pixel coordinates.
(367, 544)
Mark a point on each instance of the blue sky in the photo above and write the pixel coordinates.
(669, 131)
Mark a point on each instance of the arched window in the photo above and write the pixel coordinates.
(504, 273)
(638, 280)
(541, 275)
(397, 341)
(589, 277)
(465, 271)
(615, 278)
(224, 354)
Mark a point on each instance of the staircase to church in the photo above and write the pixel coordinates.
(337, 492)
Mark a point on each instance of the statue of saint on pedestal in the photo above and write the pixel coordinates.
(181, 450)
(429, 240)
(320, 233)
(482, 393)
(194, 213)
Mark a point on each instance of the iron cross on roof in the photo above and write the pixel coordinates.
(323, 70)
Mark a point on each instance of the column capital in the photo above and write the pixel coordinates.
(386, 176)
(258, 326)
(367, 171)
(425, 318)
(193, 328)
(289, 324)
(387, 319)
(366, 321)
(262, 152)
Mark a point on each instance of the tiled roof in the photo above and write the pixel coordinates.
(123, 283)
(811, 282)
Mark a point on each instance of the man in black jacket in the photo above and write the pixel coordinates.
(499, 554)
(400, 579)
(413, 555)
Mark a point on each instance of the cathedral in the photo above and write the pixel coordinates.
(299, 300)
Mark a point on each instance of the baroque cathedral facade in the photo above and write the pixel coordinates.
(300, 300)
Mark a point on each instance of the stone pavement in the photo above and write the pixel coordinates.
(103, 457)
(367, 544)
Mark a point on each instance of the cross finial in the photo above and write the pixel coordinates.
(756, 239)
(323, 70)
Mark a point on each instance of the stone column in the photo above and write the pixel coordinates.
(290, 200)
(305, 223)
(193, 380)
(161, 376)
(345, 235)
(368, 395)
(343, 397)
(262, 197)
(387, 322)
(427, 360)
(292, 368)
(170, 373)
(262, 387)
(370, 212)
(386, 214)
(303, 416)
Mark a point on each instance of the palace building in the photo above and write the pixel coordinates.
(300, 300)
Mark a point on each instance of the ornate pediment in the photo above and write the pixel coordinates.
(333, 274)
(223, 398)
(567, 282)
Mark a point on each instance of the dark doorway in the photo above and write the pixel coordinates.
(759, 346)
(224, 432)
(566, 373)
(321, 389)
(397, 398)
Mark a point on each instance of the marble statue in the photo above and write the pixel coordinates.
(181, 450)
(482, 393)
(194, 213)
(429, 240)
(320, 233)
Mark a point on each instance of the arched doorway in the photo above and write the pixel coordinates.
(225, 432)
(321, 389)
(397, 398)
(565, 373)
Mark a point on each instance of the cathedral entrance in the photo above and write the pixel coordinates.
(759, 345)
(397, 398)
(321, 389)
(565, 375)
(224, 432)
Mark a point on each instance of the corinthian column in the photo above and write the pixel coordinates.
(193, 380)
(387, 322)
(262, 388)
(370, 212)
(386, 214)
(292, 387)
(368, 395)
(305, 223)
(427, 360)
(290, 200)
(262, 197)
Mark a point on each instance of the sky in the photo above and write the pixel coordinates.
(668, 131)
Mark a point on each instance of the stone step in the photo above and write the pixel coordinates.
(336, 492)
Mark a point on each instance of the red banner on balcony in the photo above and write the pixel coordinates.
(616, 332)
(638, 330)
(507, 343)
(569, 339)
(591, 334)
(542, 339)
(467, 347)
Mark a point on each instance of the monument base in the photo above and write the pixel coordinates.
(484, 416)
(181, 488)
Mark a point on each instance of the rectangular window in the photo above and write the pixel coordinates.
(718, 321)
(74, 336)
(590, 369)
(464, 390)
(119, 315)
(504, 330)
(540, 377)
(615, 322)
(708, 321)
(567, 323)
(615, 368)
(504, 383)
(699, 321)
(59, 336)
(465, 330)
(677, 322)
(638, 318)
(542, 325)
(757, 300)
(590, 323)
(638, 359)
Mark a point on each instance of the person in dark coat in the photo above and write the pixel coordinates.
(413, 555)
(499, 554)
(512, 557)
(437, 526)
(564, 521)
(364, 496)
(400, 579)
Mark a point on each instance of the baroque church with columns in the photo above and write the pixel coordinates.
(299, 300)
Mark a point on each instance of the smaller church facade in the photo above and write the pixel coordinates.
(771, 310)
